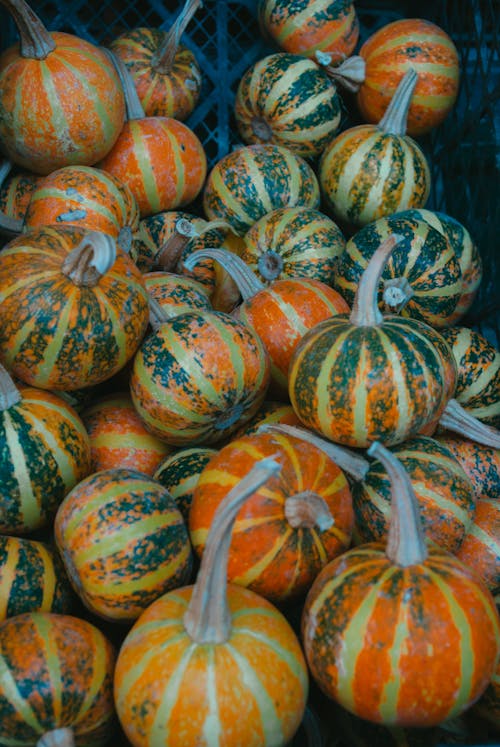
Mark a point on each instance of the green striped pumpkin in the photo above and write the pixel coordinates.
(255, 179)
(179, 473)
(57, 672)
(123, 542)
(176, 294)
(287, 100)
(32, 578)
(480, 463)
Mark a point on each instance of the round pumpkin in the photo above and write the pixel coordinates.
(176, 294)
(15, 193)
(481, 463)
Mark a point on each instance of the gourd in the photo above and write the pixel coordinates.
(405, 634)
(370, 171)
(179, 473)
(73, 307)
(176, 294)
(166, 74)
(45, 453)
(218, 645)
(15, 192)
(160, 239)
(61, 102)
(57, 681)
(271, 412)
(480, 549)
(481, 463)
(123, 542)
(290, 101)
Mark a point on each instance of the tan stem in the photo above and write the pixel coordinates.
(456, 418)
(208, 617)
(157, 314)
(91, 259)
(308, 510)
(396, 294)
(245, 278)
(57, 738)
(365, 311)
(395, 118)
(170, 252)
(36, 43)
(9, 393)
(350, 74)
(163, 60)
(135, 109)
(405, 539)
(353, 464)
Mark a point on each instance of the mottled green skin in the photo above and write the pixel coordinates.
(179, 473)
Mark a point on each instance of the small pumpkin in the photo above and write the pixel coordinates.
(15, 192)
(179, 473)
(481, 463)
(176, 294)
(270, 413)
(160, 239)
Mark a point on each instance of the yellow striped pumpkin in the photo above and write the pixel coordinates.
(179, 473)
(480, 463)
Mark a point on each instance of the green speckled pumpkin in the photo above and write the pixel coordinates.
(160, 239)
(179, 473)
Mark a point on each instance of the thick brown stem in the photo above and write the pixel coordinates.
(135, 109)
(365, 311)
(350, 74)
(163, 60)
(170, 252)
(92, 258)
(308, 510)
(395, 118)
(397, 292)
(405, 539)
(246, 280)
(456, 418)
(208, 617)
(9, 393)
(57, 738)
(36, 43)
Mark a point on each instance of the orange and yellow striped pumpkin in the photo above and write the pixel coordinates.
(270, 413)
(480, 549)
(176, 294)
(179, 473)
(480, 463)
(123, 542)
(57, 672)
(16, 191)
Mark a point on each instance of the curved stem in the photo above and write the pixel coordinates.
(92, 258)
(170, 252)
(405, 538)
(157, 315)
(9, 393)
(350, 74)
(396, 294)
(135, 109)
(365, 311)
(245, 278)
(396, 115)
(57, 738)
(456, 418)
(163, 60)
(208, 617)
(36, 43)
(308, 510)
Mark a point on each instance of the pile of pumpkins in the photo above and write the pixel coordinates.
(224, 395)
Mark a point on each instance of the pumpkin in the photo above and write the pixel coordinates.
(73, 308)
(166, 74)
(216, 645)
(176, 294)
(179, 472)
(285, 532)
(32, 578)
(480, 549)
(160, 239)
(360, 377)
(403, 634)
(199, 377)
(488, 705)
(255, 179)
(15, 192)
(146, 141)
(57, 672)
(288, 100)
(45, 453)
(370, 171)
(280, 313)
(293, 242)
(304, 27)
(123, 542)
(271, 412)
(118, 437)
(481, 463)
(61, 102)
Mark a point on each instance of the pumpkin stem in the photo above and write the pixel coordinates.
(157, 314)
(36, 43)
(365, 311)
(57, 738)
(396, 294)
(208, 617)
(261, 129)
(163, 60)
(405, 539)
(456, 418)
(351, 73)
(9, 393)
(308, 510)
(92, 258)
(169, 253)
(245, 278)
(353, 464)
(135, 110)
(395, 118)
(270, 265)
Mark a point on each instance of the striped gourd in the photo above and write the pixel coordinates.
(61, 102)
(480, 549)
(73, 309)
(288, 100)
(286, 532)
(293, 242)
(270, 413)
(118, 437)
(32, 578)
(410, 43)
(45, 452)
(480, 463)
(478, 368)
(370, 171)
(366, 377)
(306, 26)
(160, 239)
(199, 377)
(166, 74)
(57, 671)
(222, 647)
(255, 179)
(176, 294)
(422, 278)
(123, 542)
(179, 473)
(405, 634)
(16, 191)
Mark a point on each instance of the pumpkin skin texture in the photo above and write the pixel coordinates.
(179, 473)
(123, 542)
(61, 669)
(176, 294)
(15, 193)
(290, 101)
(56, 334)
(304, 27)
(255, 179)
(480, 549)
(480, 463)
(270, 412)
(198, 378)
(396, 47)
(32, 579)
(73, 109)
